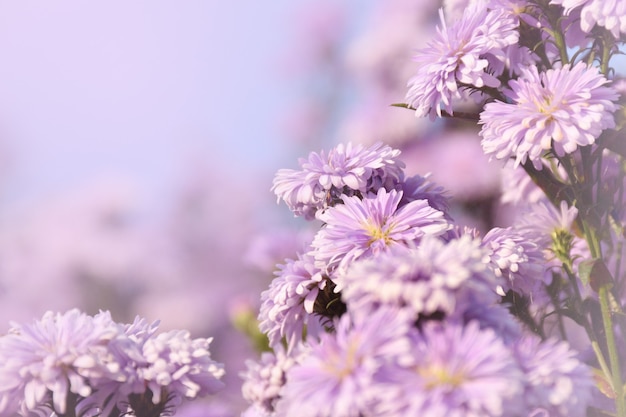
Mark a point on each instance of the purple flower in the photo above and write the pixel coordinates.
(171, 366)
(454, 370)
(287, 305)
(457, 57)
(58, 356)
(419, 187)
(434, 277)
(97, 364)
(265, 378)
(555, 379)
(560, 109)
(127, 353)
(610, 14)
(517, 257)
(335, 377)
(362, 228)
(180, 366)
(345, 170)
(546, 219)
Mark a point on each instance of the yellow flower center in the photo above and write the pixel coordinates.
(437, 376)
(377, 233)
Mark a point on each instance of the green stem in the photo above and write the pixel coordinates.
(607, 321)
(603, 366)
(606, 54)
(559, 39)
(616, 374)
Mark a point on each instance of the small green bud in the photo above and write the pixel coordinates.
(562, 245)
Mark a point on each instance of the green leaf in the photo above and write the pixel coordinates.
(584, 270)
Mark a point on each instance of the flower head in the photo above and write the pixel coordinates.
(335, 378)
(362, 228)
(264, 379)
(610, 14)
(180, 366)
(559, 110)
(60, 355)
(435, 277)
(419, 187)
(287, 305)
(517, 257)
(454, 370)
(555, 379)
(345, 170)
(458, 57)
(97, 364)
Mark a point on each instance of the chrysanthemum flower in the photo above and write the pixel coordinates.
(172, 367)
(265, 378)
(610, 14)
(345, 170)
(517, 257)
(335, 378)
(454, 370)
(434, 277)
(180, 367)
(361, 228)
(287, 305)
(419, 187)
(96, 364)
(560, 109)
(555, 379)
(457, 57)
(53, 358)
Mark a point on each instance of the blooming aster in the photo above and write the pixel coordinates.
(517, 257)
(127, 353)
(560, 109)
(180, 366)
(335, 378)
(287, 305)
(457, 57)
(435, 277)
(58, 356)
(366, 227)
(173, 367)
(419, 187)
(555, 379)
(454, 370)
(610, 14)
(96, 364)
(264, 379)
(345, 170)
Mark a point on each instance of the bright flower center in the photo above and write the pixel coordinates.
(545, 106)
(437, 376)
(377, 233)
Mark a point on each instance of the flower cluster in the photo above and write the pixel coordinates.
(396, 308)
(76, 364)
